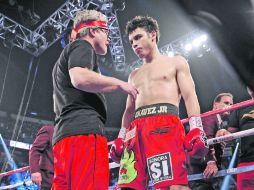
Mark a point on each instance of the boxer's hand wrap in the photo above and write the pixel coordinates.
(196, 141)
(116, 149)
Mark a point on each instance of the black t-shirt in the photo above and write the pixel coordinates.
(243, 119)
(77, 112)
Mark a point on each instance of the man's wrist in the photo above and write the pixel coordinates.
(122, 133)
(195, 122)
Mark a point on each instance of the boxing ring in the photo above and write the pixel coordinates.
(221, 173)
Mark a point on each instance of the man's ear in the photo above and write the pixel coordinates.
(154, 35)
(215, 105)
(92, 32)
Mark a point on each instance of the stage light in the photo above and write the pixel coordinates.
(196, 42)
(171, 54)
(203, 37)
(188, 47)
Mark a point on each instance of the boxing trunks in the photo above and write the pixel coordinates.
(154, 149)
(87, 170)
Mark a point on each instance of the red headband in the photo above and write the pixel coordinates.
(98, 23)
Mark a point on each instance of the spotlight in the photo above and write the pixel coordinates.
(203, 37)
(188, 47)
(196, 42)
(171, 54)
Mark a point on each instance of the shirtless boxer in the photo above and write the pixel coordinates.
(151, 141)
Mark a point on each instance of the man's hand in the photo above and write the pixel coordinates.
(129, 89)
(195, 143)
(211, 169)
(36, 178)
(116, 150)
(222, 132)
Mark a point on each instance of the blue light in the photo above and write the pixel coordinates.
(33, 113)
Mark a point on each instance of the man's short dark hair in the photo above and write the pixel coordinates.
(219, 96)
(146, 22)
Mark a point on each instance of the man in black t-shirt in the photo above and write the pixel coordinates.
(241, 120)
(79, 144)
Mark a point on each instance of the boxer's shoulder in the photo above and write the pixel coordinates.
(134, 72)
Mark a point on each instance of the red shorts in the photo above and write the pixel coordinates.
(245, 181)
(81, 162)
(154, 150)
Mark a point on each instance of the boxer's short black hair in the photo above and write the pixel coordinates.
(146, 22)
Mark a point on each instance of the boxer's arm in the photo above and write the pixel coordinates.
(117, 147)
(195, 141)
(128, 113)
(187, 87)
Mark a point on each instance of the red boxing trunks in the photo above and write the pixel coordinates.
(245, 180)
(154, 148)
(81, 162)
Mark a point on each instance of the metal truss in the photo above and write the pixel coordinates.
(37, 41)
(15, 34)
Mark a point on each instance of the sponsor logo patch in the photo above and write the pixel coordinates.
(160, 167)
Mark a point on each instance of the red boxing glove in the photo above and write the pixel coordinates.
(116, 150)
(196, 141)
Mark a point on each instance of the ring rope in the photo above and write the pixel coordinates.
(220, 173)
(213, 112)
(209, 141)
(230, 137)
(14, 171)
(192, 177)
(224, 172)
(230, 108)
(17, 185)
(217, 140)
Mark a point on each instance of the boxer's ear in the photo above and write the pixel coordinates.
(154, 35)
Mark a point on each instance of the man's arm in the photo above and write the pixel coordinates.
(195, 141)
(90, 81)
(116, 149)
(40, 144)
(210, 125)
(128, 113)
(187, 87)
